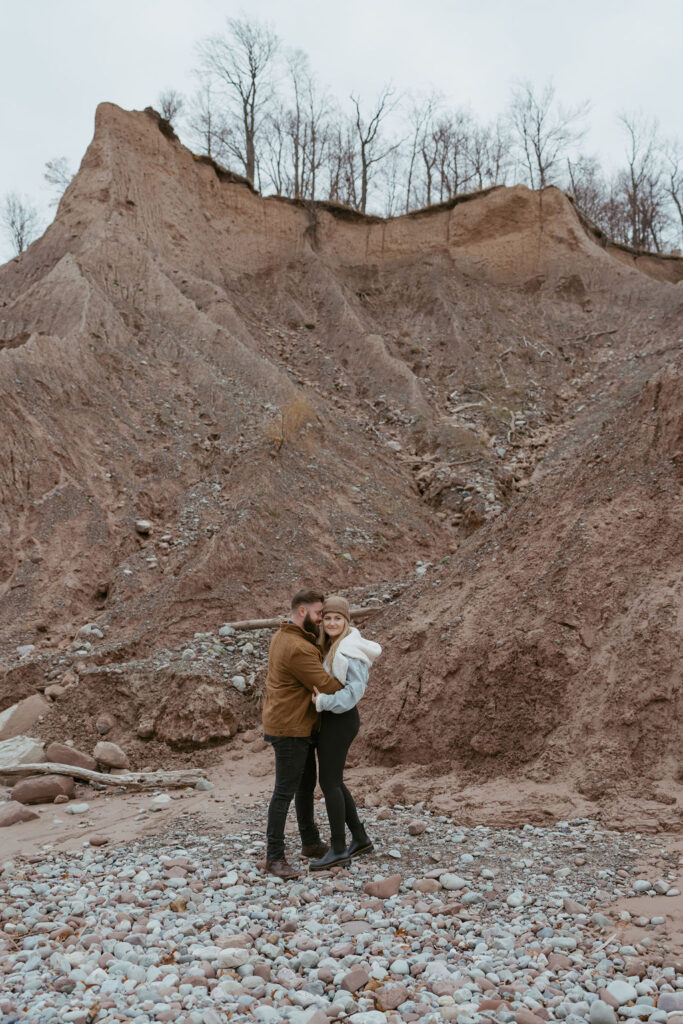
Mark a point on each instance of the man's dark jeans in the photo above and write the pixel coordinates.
(295, 776)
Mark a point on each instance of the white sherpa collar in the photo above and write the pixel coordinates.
(353, 646)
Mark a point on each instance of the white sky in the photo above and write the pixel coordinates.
(60, 58)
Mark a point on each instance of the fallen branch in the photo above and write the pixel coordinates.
(595, 334)
(476, 391)
(467, 405)
(356, 613)
(603, 944)
(132, 780)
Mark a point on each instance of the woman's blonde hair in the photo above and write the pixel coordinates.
(328, 648)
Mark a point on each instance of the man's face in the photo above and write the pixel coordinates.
(313, 618)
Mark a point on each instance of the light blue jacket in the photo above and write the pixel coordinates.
(343, 700)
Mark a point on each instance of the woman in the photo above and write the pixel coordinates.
(348, 657)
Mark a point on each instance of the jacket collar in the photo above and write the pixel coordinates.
(291, 627)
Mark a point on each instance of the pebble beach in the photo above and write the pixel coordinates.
(439, 923)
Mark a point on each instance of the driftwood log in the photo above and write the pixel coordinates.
(356, 613)
(132, 780)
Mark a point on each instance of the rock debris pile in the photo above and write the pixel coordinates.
(441, 923)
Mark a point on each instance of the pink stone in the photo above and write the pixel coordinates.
(672, 1002)
(416, 828)
(355, 979)
(12, 813)
(318, 1018)
(42, 789)
(527, 1017)
(427, 885)
(385, 888)
(60, 753)
(390, 996)
(572, 907)
(608, 998)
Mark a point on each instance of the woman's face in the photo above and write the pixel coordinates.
(333, 624)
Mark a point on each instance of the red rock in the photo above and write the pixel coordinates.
(441, 987)
(104, 724)
(263, 971)
(341, 950)
(318, 1018)
(572, 907)
(427, 885)
(559, 962)
(13, 812)
(608, 998)
(490, 1004)
(98, 840)
(385, 888)
(21, 717)
(64, 984)
(672, 1002)
(42, 789)
(195, 979)
(390, 996)
(527, 1017)
(355, 980)
(110, 755)
(416, 828)
(60, 753)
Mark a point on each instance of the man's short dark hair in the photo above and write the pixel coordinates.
(306, 597)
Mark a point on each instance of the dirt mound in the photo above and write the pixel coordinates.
(553, 639)
(209, 397)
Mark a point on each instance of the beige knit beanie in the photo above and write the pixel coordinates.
(337, 603)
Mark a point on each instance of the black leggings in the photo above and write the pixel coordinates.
(337, 733)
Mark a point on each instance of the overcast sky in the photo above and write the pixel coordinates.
(60, 58)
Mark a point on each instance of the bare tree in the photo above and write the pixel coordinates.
(543, 130)
(273, 162)
(393, 175)
(371, 147)
(342, 162)
(455, 166)
(208, 128)
(58, 175)
(444, 147)
(308, 125)
(21, 221)
(421, 118)
(489, 153)
(241, 61)
(588, 188)
(171, 105)
(429, 151)
(673, 178)
(642, 183)
(296, 132)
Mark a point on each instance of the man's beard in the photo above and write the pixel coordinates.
(310, 626)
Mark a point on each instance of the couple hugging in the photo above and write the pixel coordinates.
(318, 667)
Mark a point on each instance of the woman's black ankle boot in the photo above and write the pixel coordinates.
(335, 857)
(361, 843)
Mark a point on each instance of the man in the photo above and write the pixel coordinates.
(290, 723)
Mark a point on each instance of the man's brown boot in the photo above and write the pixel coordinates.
(318, 849)
(281, 868)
